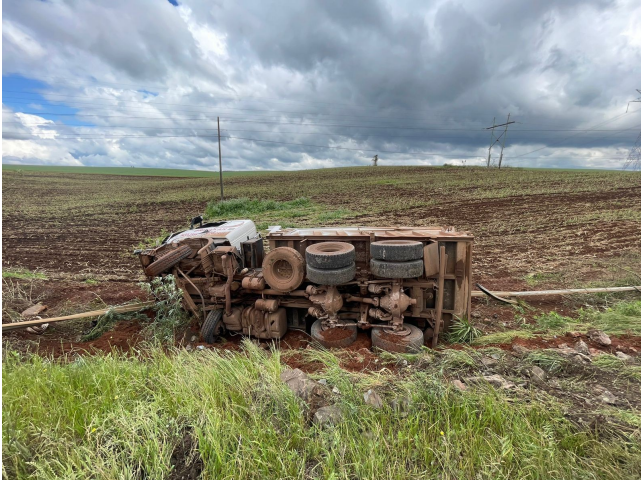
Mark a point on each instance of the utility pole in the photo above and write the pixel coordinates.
(220, 163)
(633, 101)
(489, 150)
(375, 161)
(498, 139)
(504, 138)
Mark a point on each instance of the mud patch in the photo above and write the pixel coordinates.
(185, 460)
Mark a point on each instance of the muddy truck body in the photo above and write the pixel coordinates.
(404, 284)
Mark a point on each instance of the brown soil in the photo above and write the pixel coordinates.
(335, 334)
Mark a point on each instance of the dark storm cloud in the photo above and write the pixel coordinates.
(446, 67)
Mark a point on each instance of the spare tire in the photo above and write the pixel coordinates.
(167, 261)
(411, 269)
(284, 269)
(335, 276)
(330, 255)
(396, 250)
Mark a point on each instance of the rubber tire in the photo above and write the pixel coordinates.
(336, 276)
(212, 326)
(281, 281)
(411, 269)
(167, 261)
(342, 343)
(411, 343)
(396, 250)
(328, 255)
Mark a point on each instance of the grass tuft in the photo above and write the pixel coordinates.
(245, 207)
(462, 331)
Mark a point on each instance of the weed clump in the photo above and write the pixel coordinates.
(462, 331)
(170, 315)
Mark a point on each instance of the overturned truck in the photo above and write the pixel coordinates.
(405, 285)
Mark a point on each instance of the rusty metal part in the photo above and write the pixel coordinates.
(284, 269)
(438, 315)
(378, 288)
(329, 300)
(396, 302)
(255, 281)
(266, 325)
(267, 304)
(371, 301)
(202, 299)
(495, 297)
(379, 314)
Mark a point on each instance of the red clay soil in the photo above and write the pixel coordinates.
(335, 334)
(624, 343)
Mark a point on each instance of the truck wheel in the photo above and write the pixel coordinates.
(396, 250)
(337, 337)
(326, 255)
(212, 326)
(335, 276)
(167, 261)
(411, 269)
(383, 339)
(284, 269)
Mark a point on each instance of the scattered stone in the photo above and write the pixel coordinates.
(520, 349)
(582, 347)
(563, 345)
(328, 416)
(595, 351)
(189, 347)
(200, 347)
(372, 398)
(458, 384)
(496, 356)
(538, 374)
(489, 362)
(575, 334)
(495, 380)
(486, 320)
(599, 337)
(404, 363)
(632, 350)
(193, 338)
(336, 391)
(566, 351)
(34, 310)
(323, 381)
(304, 387)
(495, 316)
(476, 314)
(608, 397)
(401, 405)
(624, 356)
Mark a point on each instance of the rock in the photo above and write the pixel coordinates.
(520, 349)
(562, 345)
(458, 384)
(34, 310)
(594, 352)
(323, 381)
(193, 338)
(336, 391)
(599, 337)
(372, 398)
(401, 405)
(608, 397)
(632, 350)
(496, 356)
(200, 347)
(582, 347)
(489, 362)
(567, 351)
(575, 334)
(624, 356)
(304, 387)
(538, 374)
(495, 380)
(328, 416)
(476, 315)
(189, 347)
(495, 316)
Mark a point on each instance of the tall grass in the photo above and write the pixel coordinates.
(116, 416)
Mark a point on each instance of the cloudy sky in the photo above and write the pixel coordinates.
(312, 84)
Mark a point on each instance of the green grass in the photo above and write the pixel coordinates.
(129, 171)
(245, 207)
(23, 274)
(115, 416)
(623, 317)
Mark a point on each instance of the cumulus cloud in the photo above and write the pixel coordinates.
(415, 82)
